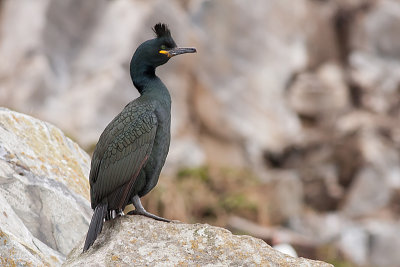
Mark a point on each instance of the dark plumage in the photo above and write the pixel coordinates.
(131, 151)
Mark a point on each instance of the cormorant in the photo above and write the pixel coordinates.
(131, 151)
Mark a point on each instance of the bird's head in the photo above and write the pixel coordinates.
(159, 50)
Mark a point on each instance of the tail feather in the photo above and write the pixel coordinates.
(96, 224)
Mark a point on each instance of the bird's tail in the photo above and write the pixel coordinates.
(96, 224)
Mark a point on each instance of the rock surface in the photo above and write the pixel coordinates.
(140, 241)
(43, 191)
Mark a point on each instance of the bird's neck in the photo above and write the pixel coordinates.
(147, 82)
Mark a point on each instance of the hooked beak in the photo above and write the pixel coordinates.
(177, 51)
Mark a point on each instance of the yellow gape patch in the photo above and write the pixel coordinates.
(164, 52)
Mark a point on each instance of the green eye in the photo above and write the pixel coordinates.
(163, 47)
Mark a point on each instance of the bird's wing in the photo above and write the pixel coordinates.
(122, 150)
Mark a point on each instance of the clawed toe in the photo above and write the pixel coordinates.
(148, 214)
(139, 210)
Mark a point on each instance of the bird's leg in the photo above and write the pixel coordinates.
(139, 210)
(108, 215)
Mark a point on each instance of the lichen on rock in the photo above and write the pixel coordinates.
(140, 241)
(43, 191)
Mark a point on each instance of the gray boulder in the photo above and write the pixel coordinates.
(375, 60)
(140, 241)
(17, 244)
(43, 191)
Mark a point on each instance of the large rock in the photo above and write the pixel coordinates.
(382, 243)
(44, 191)
(17, 244)
(320, 95)
(80, 69)
(140, 241)
(364, 242)
(375, 59)
(239, 97)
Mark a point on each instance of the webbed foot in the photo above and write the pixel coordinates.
(139, 210)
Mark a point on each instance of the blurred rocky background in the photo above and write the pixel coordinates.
(285, 123)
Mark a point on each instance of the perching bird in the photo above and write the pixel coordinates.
(131, 151)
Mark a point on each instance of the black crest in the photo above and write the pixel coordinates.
(161, 30)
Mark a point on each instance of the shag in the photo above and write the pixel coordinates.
(131, 151)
